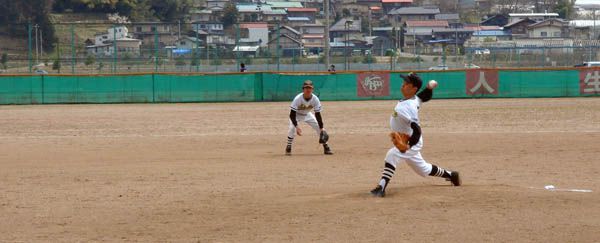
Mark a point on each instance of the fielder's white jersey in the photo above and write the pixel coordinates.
(405, 113)
(302, 106)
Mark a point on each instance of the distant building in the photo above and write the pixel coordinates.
(537, 17)
(550, 28)
(518, 29)
(399, 16)
(105, 43)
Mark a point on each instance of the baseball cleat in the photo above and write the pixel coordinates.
(378, 191)
(327, 150)
(288, 150)
(455, 178)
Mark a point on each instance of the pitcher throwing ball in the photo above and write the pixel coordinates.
(406, 136)
(301, 106)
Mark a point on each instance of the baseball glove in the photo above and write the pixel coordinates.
(323, 137)
(400, 140)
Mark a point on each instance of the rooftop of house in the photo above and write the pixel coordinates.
(275, 12)
(533, 14)
(453, 16)
(414, 11)
(341, 25)
(285, 4)
(254, 26)
(302, 10)
(298, 18)
(252, 7)
(396, 1)
(427, 23)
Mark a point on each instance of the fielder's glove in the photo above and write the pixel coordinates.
(323, 137)
(400, 140)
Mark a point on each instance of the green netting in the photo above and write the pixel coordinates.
(21, 90)
(263, 87)
(97, 89)
(562, 83)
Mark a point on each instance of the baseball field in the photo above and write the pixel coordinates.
(216, 172)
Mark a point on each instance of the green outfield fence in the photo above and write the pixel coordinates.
(270, 86)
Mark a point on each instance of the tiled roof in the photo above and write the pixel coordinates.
(427, 23)
(396, 1)
(415, 10)
(253, 25)
(301, 9)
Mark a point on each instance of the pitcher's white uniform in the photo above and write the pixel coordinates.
(302, 107)
(406, 112)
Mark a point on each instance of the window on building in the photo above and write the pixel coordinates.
(165, 27)
(556, 34)
(244, 33)
(543, 33)
(182, 43)
(138, 29)
(153, 28)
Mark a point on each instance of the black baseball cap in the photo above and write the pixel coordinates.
(307, 83)
(413, 78)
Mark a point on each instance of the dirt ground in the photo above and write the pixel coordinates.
(217, 173)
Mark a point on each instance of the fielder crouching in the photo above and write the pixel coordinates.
(301, 106)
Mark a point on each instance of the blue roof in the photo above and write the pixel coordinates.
(441, 41)
(298, 18)
(340, 44)
(490, 33)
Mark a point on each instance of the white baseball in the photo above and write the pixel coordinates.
(432, 84)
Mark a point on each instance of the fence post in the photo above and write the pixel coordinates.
(156, 56)
(237, 46)
(196, 57)
(73, 54)
(29, 48)
(277, 49)
(114, 63)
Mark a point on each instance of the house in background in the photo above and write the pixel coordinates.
(118, 36)
(537, 17)
(345, 28)
(389, 5)
(380, 45)
(495, 20)
(189, 43)
(399, 16)
(452, 19)
(285, 30)
(274, 16)
(147, 32)
(254, 34)
(288, 46)
(549, 28)
(309, 13)
(518, 29)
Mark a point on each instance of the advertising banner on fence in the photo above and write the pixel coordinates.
(373, 84)
(482, 82)
(589, 82)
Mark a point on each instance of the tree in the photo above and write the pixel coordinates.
(90, 60)
(56, 65)
(4, 60)
(565, 9)
(230, 15)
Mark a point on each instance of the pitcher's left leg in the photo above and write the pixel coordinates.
(423, 168)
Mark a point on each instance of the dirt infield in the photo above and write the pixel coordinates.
(216, 172)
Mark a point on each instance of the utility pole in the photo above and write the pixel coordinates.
(326, 10)
(41, 44)
(370, 27)
(37, 52)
